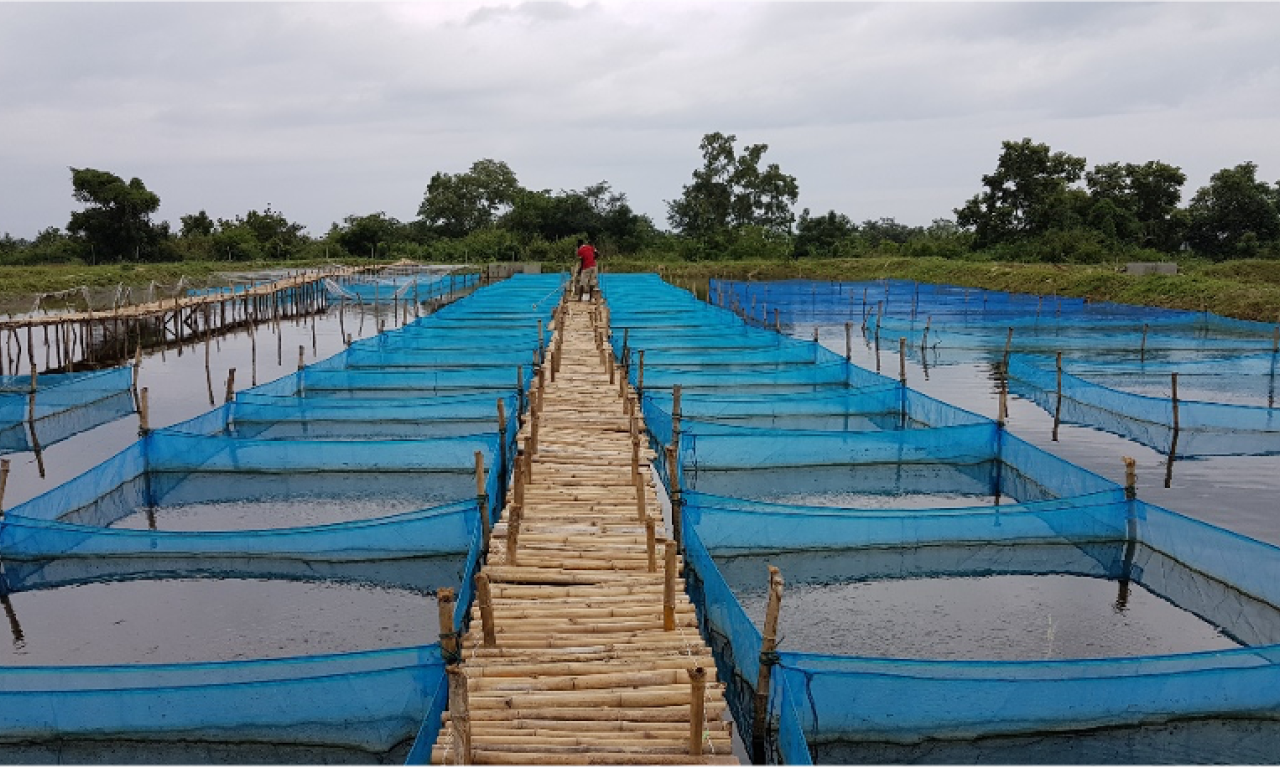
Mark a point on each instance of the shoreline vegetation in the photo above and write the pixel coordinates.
(1248, 289)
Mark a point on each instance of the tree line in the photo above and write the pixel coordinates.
(1037, 205)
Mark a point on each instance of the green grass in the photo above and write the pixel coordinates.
(1247, 289)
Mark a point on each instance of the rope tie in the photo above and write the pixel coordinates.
(770, 658)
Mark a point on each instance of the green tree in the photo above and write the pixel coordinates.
(822, 235)
(196, 225)
(116, 221)
(1234, 216)
(457, 204)
(1029, 194)
(730, 191)
(1137, 204)
(367, 235)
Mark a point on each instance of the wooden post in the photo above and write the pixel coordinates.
(1130, 478)
(1003, 411)
(144, 425)
(640, 376)
(848, 341)
(1142, 350)
(208, 372)
(485, 598)
(459, 713)
(482, 500)
(137, 368)
(924, 340)
(231, 386)
(697, 709)
(902, 360)
(650, 530)
(673, 458)
(1173, 441)
(448, 636)
(513, 531)
(768, 645)
(777, 320)
(1057, 409)
(669, 589)
(4, 482)
(640, 505)
(301, 353)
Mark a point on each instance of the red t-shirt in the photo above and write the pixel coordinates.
(587, 253)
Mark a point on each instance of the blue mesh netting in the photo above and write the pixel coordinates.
(1136, 401)
(65, 404)
(790, 478)
(390, 426)
(385, 288)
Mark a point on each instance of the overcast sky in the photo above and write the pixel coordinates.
(323, 110)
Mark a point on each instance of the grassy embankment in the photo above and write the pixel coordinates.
(1244, 289)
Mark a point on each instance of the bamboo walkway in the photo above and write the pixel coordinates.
(583, 648)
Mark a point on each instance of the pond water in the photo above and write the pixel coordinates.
(1234, 492)
(187, 620)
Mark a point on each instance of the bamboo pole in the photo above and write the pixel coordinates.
(484, 597)
(677, 503)
(144, 425)
(697, 702)
(1142, 350)
(650, 533)
(902, 360)
(640, 376)
(1173, 441)
(302, 352)
(768, 644)
(669, 589)
(231, 386)
(459, 714)
(208, 339)
(640, 505)
(1057, 408)
(848, 341)
(1130, 478)
(4, 482)
(482, 499)
(445, 599)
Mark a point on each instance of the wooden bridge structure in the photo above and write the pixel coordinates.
(583, 648)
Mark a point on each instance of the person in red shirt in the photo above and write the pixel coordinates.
(587, 255)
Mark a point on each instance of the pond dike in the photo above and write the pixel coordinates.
(583, 647)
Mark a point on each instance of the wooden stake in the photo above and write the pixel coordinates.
(769, 643)
(640, 376)
(640, 510)
(1130, 478)
(1004, 402)
(4, 482)
(1057, 409)
(673, 458)
(669, 589)
(1142, 350)
(482, 498)
(208, 371)
(697, 714)
(144, 425)
(448, 635)
(902, 360)
(485, 598)
(650, 529)
(1173, 441)
(302, 350)
(459, 713)
(848, 341)
(231, 385)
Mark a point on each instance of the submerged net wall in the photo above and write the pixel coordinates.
(393, 426)
(749, 460)
(65, 404)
